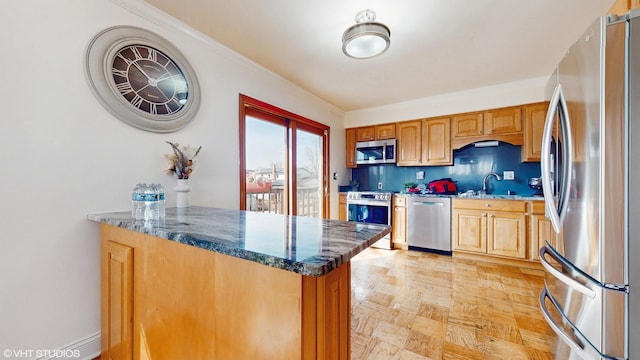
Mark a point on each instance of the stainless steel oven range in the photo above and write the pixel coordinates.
(371, 207)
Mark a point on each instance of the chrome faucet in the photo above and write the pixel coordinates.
(484, 183)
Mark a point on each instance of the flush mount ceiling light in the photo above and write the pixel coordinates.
(367, 38)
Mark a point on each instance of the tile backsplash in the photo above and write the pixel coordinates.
(470, 166)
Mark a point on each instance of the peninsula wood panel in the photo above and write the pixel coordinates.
(117, 301)
(190, 303)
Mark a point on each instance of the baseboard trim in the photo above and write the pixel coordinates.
(87, 348)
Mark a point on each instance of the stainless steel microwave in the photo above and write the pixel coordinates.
(376, 152)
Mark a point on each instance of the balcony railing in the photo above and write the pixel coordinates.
(272, 200)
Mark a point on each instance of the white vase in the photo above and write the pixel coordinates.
(182, 193)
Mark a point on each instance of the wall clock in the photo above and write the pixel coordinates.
(141, 79)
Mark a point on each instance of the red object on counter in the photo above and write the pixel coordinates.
(443, 186)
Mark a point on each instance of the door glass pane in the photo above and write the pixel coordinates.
(266, 155)
(309, 156)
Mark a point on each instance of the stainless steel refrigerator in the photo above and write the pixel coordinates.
(591, 185)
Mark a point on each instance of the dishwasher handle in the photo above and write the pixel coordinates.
(427, 203)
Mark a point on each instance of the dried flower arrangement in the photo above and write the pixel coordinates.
(181, 161)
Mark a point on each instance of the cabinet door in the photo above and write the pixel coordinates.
(342, 207)
(465, 125)
(541, 231)
(506, 234)
(399, 221)
(503, 121)
(409, 143)
(350, 151)
(436, 141)
(366, 133)
(534, 117)
(386, 131)
(468, 230)
(116, 301)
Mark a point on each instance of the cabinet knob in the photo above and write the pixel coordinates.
(487, 205)
(480, 132)
(484, 214)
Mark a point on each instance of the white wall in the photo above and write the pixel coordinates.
(64, 156)
(490, 97)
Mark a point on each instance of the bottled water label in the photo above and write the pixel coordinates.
(147, 202)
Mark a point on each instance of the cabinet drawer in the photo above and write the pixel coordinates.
(490, 204)
(399, 201)
(537, 207)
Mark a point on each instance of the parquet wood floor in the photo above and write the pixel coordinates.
(416, 305)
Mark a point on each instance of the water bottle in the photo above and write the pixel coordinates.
(160, 192)
(150, 202)
(137, 202)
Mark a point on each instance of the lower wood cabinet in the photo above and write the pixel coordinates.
(540, 231)
(491, 227)
(399, 222)
(342, 207)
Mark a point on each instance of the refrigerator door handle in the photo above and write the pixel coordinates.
(544, 251)
(586, 351)
(556, 214)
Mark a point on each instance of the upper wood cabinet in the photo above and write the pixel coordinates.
(409, 147)
(350, 151)
(503, 121)
(424, 142)
(504, 124)
(378, 132)
(436, 141)
(623, 6)
(386, 131)
(534, 118)
(366, 133)
(464, 125)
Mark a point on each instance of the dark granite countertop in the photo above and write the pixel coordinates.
(307, 246)
(481, 197)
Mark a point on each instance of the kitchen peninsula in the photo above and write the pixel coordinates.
(207, 283)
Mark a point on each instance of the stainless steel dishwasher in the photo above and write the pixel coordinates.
(429, 223)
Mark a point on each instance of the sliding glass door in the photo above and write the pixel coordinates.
(283, 161)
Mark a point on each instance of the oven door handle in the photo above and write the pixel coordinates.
(369, 202)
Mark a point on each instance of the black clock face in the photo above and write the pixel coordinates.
(149, 80)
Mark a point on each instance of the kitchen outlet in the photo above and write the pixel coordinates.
(419, 175)
(379, 186)
(508, 175)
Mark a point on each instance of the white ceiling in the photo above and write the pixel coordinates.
(437, 46)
